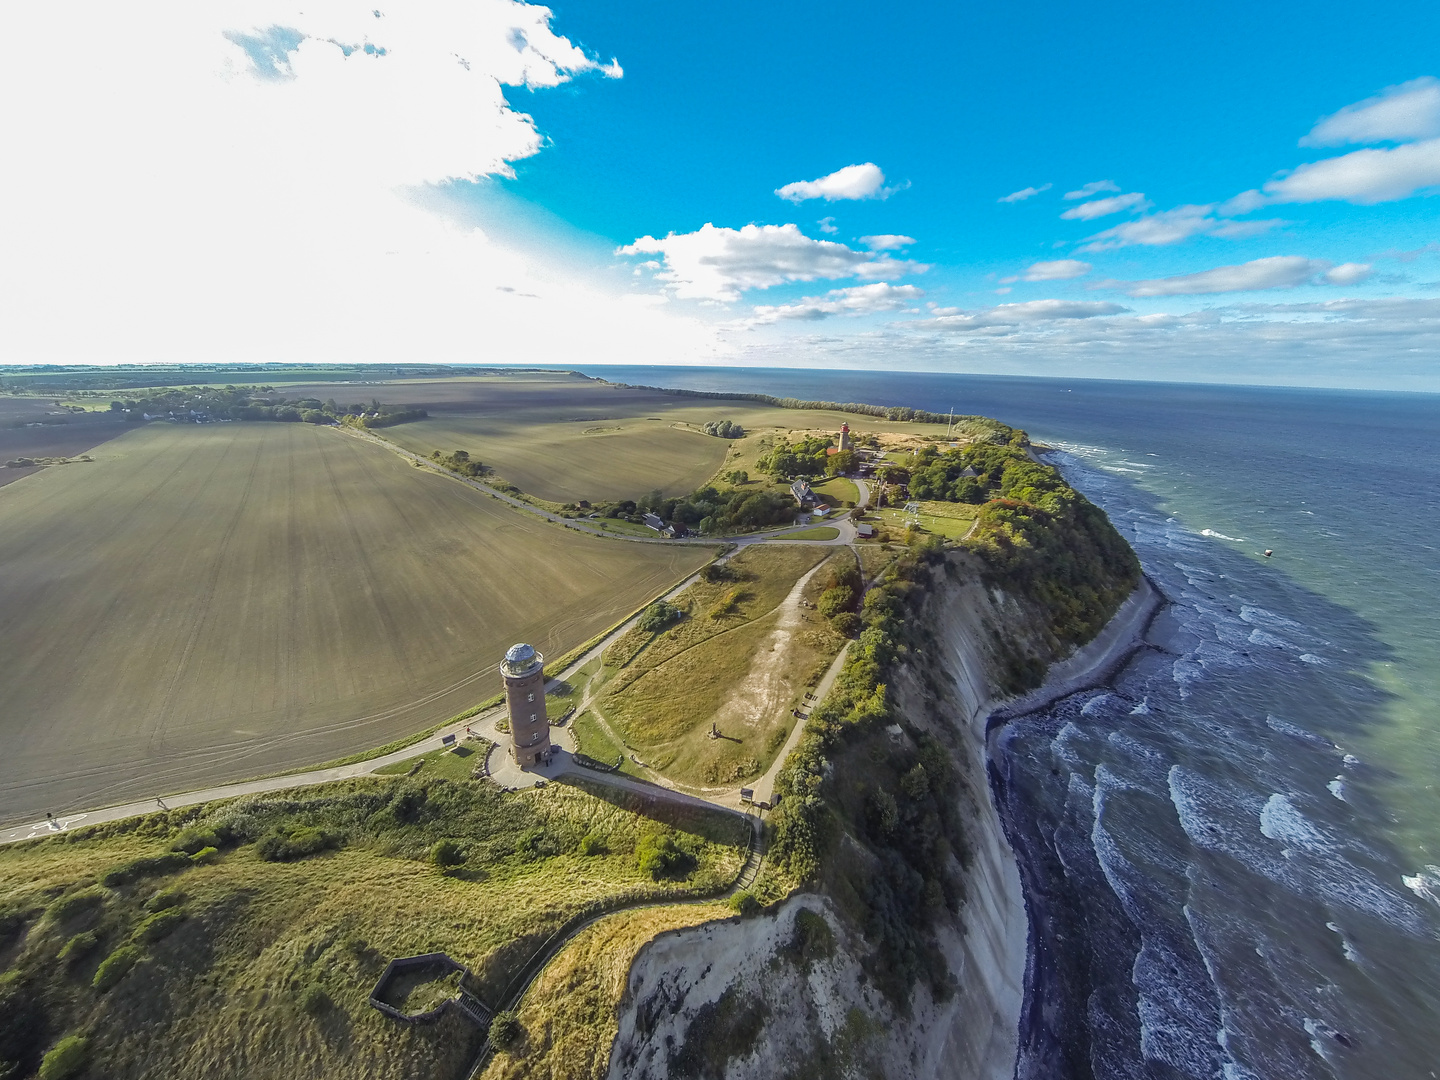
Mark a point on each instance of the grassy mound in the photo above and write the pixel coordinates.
(243, 967)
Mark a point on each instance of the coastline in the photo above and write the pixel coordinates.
(1090, 667)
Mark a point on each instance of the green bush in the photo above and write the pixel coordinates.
(79, 946)
(505, 1030)
(287, 843)
(591, 844)
(744, 904)
(65, 1059)
(847, 623)
(660, 856)
(115, 967)
(835, 600)
(165, 898)
(76, 904)
(314, 1000)
(160, 925)
(196, 838)
(205, 856)
(146, 866)
(658, 616)
(446, 853)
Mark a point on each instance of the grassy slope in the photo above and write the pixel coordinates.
(207, 603)
(219, 997)
(569, 1016)
(667, 687)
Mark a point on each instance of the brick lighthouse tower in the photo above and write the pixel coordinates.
(524, 672)
(845, 443)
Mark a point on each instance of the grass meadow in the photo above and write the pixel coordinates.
(729, 661)
(208, 603)
(264, 968)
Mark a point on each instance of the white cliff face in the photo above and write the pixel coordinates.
(739, 1000)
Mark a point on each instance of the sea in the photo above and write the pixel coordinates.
(1231, 853)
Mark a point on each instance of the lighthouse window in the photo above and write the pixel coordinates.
(531, 697)
(532, 716)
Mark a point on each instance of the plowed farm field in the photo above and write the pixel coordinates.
(208, 603)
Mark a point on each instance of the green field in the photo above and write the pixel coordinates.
(952, 521)
(264, 968)
(820, 532)
(207, 603)
(743, 669)
(837, 491)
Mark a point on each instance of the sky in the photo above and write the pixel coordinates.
(1216, 193)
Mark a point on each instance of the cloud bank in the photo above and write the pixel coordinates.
(720, 263)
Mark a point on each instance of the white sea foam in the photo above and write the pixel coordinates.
(1311, 658)
(1281, 822)
(1337, 788)
(1425, 884)
(1143, 709)
(1270, 641)
(1222, 536)
(1351, 761)
(1253, 613)
(1287, 728)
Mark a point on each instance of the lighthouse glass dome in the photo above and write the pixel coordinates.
(521, 659)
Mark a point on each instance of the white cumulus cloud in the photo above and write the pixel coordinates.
(1024, 193)
(1099, 208)
(1401, 113)
(856, 300)
(852, 182)
(720, 263)
(887, 242)
(1092, 188)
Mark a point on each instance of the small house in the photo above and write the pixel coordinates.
(655, 522)
(864, 530)
(821, 510)
(802, 492)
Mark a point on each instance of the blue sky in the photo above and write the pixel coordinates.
(1233, 193)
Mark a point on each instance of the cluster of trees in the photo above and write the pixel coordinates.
(250, 403)
(461, 462)
(1040, 537)
(725, 429)
(659, 615)
(709, 510)
(804, 457)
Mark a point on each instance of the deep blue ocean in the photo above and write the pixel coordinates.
(1230, 853)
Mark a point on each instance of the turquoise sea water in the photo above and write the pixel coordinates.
(1230, 854)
